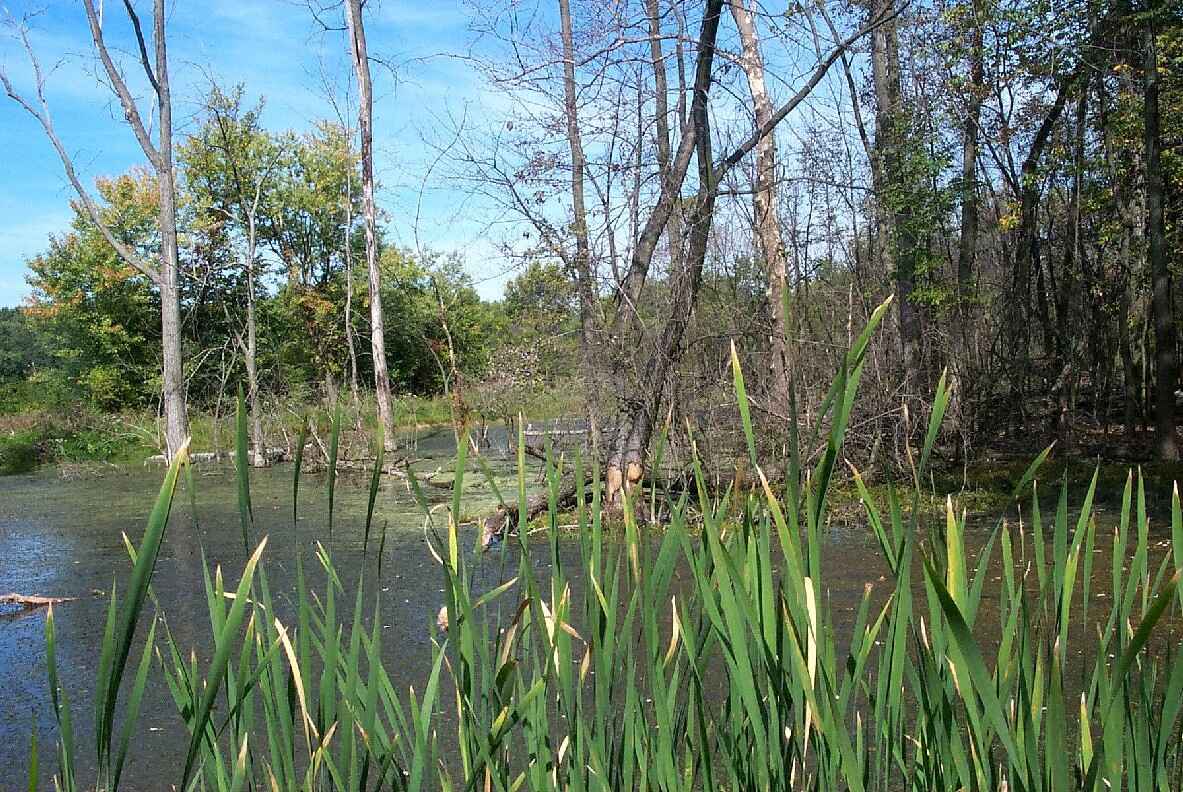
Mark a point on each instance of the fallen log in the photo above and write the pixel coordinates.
(494, 527)
(28, 601)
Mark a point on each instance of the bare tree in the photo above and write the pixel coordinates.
(642, 404)
(900, 247)
(163, 274)
(611, 113)
(764, 204)
(581, 262)
(365, 125)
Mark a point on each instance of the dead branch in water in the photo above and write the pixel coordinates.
(499, 522)
(28, 601)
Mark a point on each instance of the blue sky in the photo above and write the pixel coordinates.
(278, 52)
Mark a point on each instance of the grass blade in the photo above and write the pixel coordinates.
(246, 514)
(220, 662)
(297, 464)
(334, 444)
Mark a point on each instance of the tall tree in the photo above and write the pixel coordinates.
(163, 273)
(899, 246)
(642, 402)
(231, 168)
(974, 92)
(365, 128)
(1166, 373)
(581, 261)
(767, 223)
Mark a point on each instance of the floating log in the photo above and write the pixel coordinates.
(29, 601)
(494, 526)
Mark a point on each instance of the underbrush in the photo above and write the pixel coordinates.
(18, 453)
(36, 438)
(77, 433)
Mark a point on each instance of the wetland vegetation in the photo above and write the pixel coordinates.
(674, 394)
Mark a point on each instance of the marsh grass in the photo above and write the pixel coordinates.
(706, 659)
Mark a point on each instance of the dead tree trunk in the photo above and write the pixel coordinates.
(176, 425)
(767, 223)
(1027, 255)
(581, 262)
(347, 241)
(900, 246)
(1124, 208)
(657, 58)
(641, 406)
(365, 122)
(625, 464)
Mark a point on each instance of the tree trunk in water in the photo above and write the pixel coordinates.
(1165, 443)
(764, 206)
(582, 260)
(640, 410)
(890, 133)
(365, 118)
(175, 420)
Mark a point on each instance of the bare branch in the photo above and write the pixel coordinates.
(40, 111)
(135, 22)
(130, 111)
(802, 93)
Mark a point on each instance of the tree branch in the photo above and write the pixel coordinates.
(43, 117)
(135, 22)
(783, 111)
(130, 111)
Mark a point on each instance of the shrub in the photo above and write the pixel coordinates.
(18, 453)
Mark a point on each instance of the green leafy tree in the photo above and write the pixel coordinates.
(102, 314)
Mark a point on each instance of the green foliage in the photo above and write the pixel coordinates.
(101, 316)
(541, 298)
(93, 327)
(432, 312)
(79, 435)
(24, 346)
(18, 453)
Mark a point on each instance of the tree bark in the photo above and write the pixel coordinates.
(967, 247)
(252, 343)
(365, 119)
(899, 239)
(348, 243)
(581, 262)
(767, 222)
(1027, 254)
(626, 461)
(176, 424)
(673, 230)
(1166, 446)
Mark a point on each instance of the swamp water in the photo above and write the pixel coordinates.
(64, 539)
